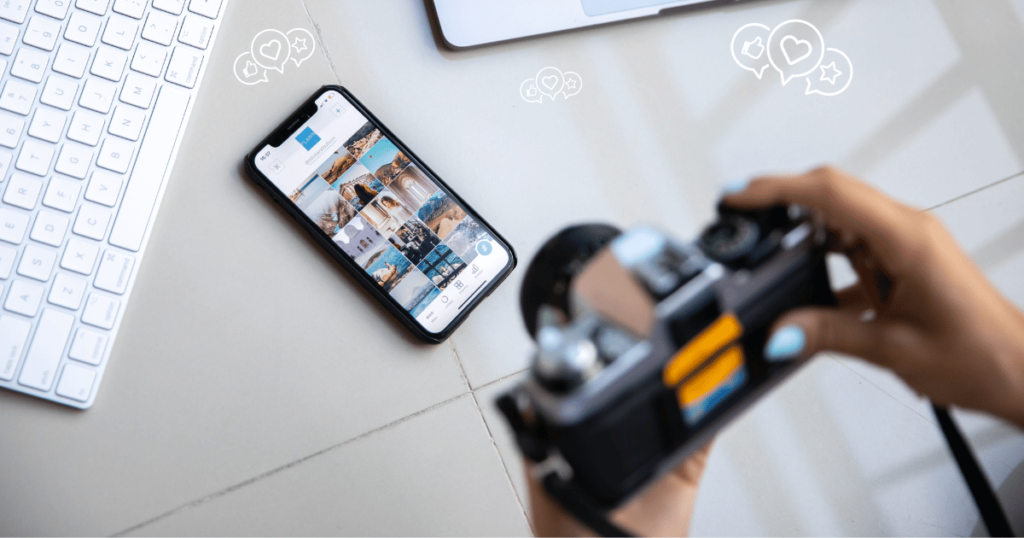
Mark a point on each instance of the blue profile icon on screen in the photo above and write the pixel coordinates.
(307, 138)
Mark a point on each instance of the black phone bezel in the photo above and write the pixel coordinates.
(299, 118)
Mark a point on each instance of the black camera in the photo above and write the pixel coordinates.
(648, 346)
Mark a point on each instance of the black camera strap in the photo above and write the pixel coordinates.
(566, 494)
(991, 511)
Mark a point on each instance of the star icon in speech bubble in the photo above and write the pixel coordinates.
(835, 73)
(299, 45)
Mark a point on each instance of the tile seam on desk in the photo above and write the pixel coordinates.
(462, 370)
(976, 191)
(285, 467)
(323, 44)
(504, 466)
(883, 391)
(500, 379)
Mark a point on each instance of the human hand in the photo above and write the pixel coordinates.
(937, 322)
(663, 509)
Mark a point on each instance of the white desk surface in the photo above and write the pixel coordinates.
(255, 390)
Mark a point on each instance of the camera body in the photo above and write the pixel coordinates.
(647, 346)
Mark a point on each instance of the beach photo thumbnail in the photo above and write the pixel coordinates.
(386, 213)
(464, 238)
(425, 302)
(442, 266)
(389, 269)
(441, 214)
(363, 140)
(381, 156)
(414, 240)
(358, 186)
(413, 187)
(359, 240)
(389, 171)
(334, 167)
(413, 289)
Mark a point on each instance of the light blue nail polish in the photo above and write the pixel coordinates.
(733, 187)
(785, 344)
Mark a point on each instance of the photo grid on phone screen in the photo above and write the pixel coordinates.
(394, 221)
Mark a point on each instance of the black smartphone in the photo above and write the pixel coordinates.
(388, 219)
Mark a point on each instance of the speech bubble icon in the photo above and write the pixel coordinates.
(795, 48)
(572, 84)
(529, 92)
(550, 81)
(247, 72)
(836, 74)
(302, 44)
(748, 44)
(270, 50)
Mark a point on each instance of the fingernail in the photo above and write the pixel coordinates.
(786, 343)
(733, 187)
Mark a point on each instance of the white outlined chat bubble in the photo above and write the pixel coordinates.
(795, 48)
(748, 48)
(572, 84)
(549, 81)
(529, 92)
(270, 50)
(247, 72)
(302, 45)
(834, 74)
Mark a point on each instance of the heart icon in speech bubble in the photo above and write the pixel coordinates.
(795, 43)
(274, 44)
(549, 82)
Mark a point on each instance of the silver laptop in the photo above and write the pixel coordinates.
(471, 23)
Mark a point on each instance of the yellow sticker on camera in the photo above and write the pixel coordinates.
(728, 363)
(725, 330)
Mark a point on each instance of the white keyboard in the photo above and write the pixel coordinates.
(95, 94)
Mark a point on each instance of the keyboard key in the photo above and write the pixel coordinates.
(42, 33)
(37, 262)
(76, 382)
(12, 226)
(35, 158)
(159, 28)
(170, 6)
(79, 256)
(71, 60)
(10, 129)
(29, 64)
(49, 228)
(109, 64)
(184, 66)
(103, 188)
(13, 335)
(86, 127)
(115, 155)
(100, 311)
(47, 124)
(57, 9)
(127, 122)
(5, 163)
(8, 38)
(14, 10)
(98, 7)
(62, 194)
(88, 347)
(59, 92)
(91, 222)
(138, 90)
(144, 185)
(83, 28)
(114, 272)
(98, 95)
(206, 8)
(7, 256)
(67, 291)
(149, 59)
(73, 160)
(18, 97)
(196, 31)
(131, 8)
(24, 298)
(120, 32)
(23, 191)
(46, 349)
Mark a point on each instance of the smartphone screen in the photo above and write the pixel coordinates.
(405, 230)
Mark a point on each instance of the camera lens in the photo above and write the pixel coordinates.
(730, 239)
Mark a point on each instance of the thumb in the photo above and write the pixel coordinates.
(803, 332)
